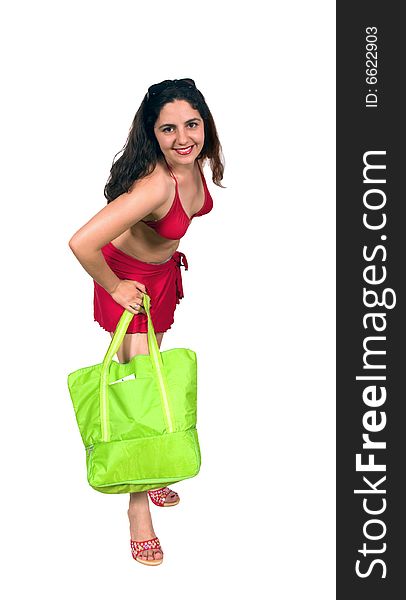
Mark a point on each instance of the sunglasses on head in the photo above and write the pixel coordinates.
(157, 88)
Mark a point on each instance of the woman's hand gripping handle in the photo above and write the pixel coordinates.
(129, 294)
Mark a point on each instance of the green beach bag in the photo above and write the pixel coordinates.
(137, 420)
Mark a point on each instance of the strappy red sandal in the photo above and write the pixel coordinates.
(158, 497)
(139, 547)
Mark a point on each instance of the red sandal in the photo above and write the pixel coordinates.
(158, 497)
(139, 547)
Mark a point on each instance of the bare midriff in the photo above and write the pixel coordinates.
(143, 243)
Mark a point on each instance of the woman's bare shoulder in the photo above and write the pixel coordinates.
(158, 178)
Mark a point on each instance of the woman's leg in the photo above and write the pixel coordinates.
(135, 343)
(139, 515)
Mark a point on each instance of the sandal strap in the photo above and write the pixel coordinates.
(158, 496)
(138, 547)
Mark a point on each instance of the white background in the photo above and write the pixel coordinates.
(259, 300)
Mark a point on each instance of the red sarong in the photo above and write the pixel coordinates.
(163, 283)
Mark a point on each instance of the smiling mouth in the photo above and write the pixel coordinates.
(186, 150)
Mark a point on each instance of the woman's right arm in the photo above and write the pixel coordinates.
(146, 196)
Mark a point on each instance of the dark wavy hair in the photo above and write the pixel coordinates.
(141, 151)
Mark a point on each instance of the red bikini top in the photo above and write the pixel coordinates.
(176, 221)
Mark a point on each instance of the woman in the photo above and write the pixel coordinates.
(155, 189)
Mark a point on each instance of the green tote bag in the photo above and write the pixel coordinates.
(137, 420)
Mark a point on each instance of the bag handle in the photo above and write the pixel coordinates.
(156, 360)
(122, 327)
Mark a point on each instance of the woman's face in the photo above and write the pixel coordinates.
(179, 130)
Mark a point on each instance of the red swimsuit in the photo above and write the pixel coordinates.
(163, 281)
(176, 221)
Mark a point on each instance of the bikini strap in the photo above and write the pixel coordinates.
(203, 177)
(171, 172)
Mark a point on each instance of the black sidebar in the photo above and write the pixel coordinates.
(371, 357)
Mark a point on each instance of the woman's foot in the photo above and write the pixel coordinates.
(164, 497)
(141, 527)
(138, 547)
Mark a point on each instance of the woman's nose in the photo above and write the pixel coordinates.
(182, 137)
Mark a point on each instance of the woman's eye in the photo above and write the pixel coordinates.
(170, 129)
